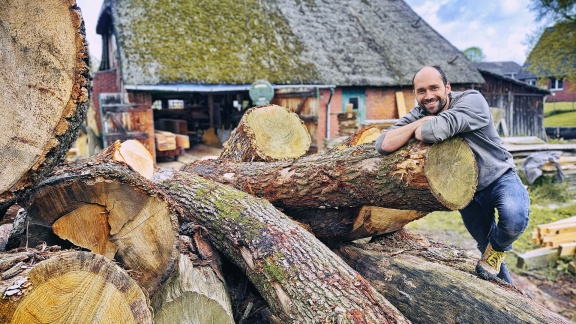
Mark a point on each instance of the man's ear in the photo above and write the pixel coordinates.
(448, 87)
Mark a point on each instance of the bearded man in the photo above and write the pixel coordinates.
(442, 113)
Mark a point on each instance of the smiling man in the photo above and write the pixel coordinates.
(442, 113)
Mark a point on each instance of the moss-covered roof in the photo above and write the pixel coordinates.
(347, 43)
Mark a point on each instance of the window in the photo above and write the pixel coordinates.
(354, 102)
(531, 81)
(556, 84)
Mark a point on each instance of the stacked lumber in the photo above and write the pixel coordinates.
(558, 240)
(556, 233)
(347, 123)
(165, 141)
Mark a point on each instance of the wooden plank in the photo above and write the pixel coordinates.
(555, 240)
(538, 258)
(558, 229)
(567, 249)
(400, 104)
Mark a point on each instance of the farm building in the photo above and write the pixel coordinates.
(189, 66)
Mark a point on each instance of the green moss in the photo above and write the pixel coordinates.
(211, 42)
(273, 270)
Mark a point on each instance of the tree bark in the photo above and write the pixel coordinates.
(267, 133)
(72, 287)
(299, 277)
(417, 177)
(435, 283)
(105, 207)
(194, 293)
(347, 224)
(45, 86)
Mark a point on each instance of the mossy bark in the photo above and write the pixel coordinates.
(45, 90)
(358, 176)
(431, 283)
(299, 277)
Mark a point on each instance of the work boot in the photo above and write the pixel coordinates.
(489, 264)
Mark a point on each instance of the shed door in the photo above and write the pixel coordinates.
(356, 97)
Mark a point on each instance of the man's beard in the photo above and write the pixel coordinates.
(441, 105)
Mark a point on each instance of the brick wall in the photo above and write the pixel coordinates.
(104, 81)
(565, 95)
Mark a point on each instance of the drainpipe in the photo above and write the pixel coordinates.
(328, 113)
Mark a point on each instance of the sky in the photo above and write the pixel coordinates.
(499, 27)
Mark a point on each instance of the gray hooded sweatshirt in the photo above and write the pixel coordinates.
(468, 116)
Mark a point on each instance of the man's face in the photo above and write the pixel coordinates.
(430, 91)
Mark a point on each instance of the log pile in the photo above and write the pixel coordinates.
(108, 239)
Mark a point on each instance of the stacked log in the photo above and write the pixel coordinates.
(159, 239)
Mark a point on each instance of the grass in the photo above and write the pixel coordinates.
(551, 108)
(560, 114)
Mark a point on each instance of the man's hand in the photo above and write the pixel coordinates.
(398, 137)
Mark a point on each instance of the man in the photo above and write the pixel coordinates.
(441, 114)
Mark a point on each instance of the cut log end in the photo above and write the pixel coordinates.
(45, 88)
(268, 133)
(77, 287)
(107, 216)
(452, 172)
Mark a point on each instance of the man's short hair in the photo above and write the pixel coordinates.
(439, 69)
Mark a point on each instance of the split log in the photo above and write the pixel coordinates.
(194, 293)
(365, 135)
(108, 209)
(347, 224)
(267, 133)
(417, 177)
(300, 278)
(431, 284)
(72, 287)
(132, 153)
(45, 87)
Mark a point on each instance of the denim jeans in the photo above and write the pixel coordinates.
(508, 196)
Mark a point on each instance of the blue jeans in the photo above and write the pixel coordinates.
(507, 195)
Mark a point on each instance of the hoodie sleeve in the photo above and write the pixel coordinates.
(413, 115)
(467, 113)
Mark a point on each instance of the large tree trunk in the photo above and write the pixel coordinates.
(105, 207)
(72, 287)
(417, 177)
(44, 89)
(435, 283)
(267, 133)
(299, 277)
(194, 293)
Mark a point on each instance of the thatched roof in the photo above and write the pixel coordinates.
(346, 43)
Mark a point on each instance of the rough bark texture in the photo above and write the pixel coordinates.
(345, 224)
(358, 176)
(194, 293)
(300, 278)
(107, 208)
(45, 85)
(71, 287)
(267, 133)
(435, 283)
